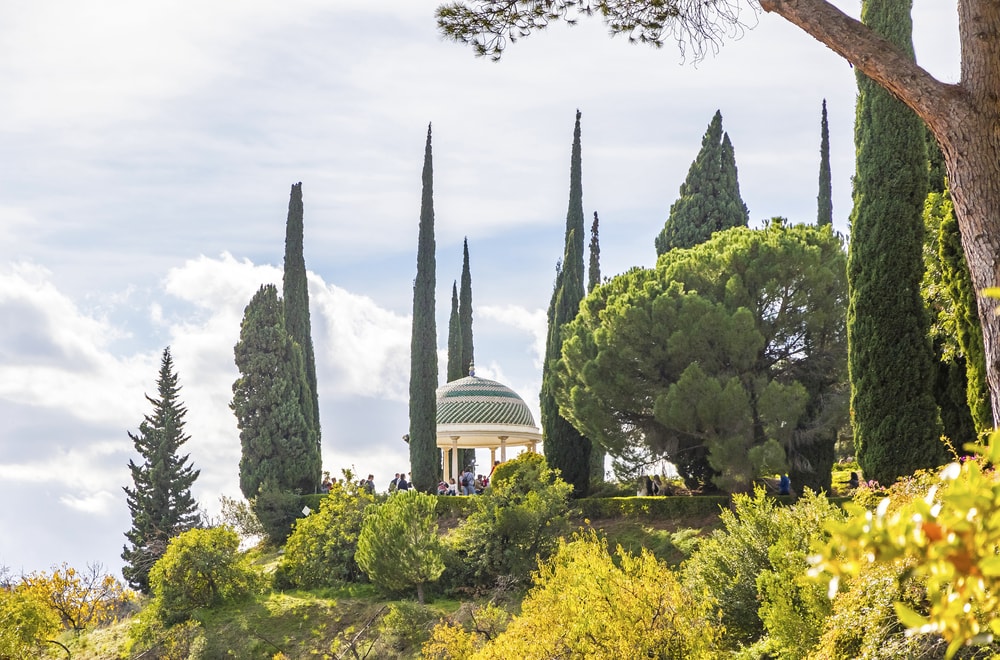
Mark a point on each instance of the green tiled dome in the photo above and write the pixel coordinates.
(474, 400)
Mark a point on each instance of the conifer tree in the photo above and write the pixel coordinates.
(295, 291)
(423, 344)
(824, 200)
(566, 449)
(598, 454)
(466, 457)
(160, 500)
(273, 404)
(465, 311)
(455, 370)
(895, 418)
(709, 197)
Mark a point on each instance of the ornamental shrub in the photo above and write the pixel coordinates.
(201, 568)
(320, 550)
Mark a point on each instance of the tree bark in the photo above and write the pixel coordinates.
(964, 117)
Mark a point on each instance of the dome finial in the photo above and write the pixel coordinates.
(472, 367)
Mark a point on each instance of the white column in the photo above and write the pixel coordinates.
(503, 447)
(454, 458)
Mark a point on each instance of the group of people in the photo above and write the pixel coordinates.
(468, 483)
(328, 483)
(653, 486)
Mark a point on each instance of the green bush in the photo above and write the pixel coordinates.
(727, 563)
(26, 621)
(651, 507)
(518, 519)
(320, 550)
(201, 568)
(793, 607)
(277, 511)
(405, 627)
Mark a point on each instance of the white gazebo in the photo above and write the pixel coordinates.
(477, 413)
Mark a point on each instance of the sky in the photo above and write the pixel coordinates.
(148, 155)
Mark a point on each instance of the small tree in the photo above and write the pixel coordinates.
(321, 549)
(81, 599)
(26, 621)
(201, 568)
(160, 500)
(399, 545)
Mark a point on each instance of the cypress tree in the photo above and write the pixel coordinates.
(272, 403)
(890, 361)
(423, 344)
(824, 200)
(709, 197)
(295, 291)
(598, 453)
(466, 456)
(566, 448)
(160, 500)
(455, 370)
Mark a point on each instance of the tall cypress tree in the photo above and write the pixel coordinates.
(710, 198)
(824, 200)
(565, 447)
(465, 311)
(272, 403)
(455, 370)
(160, 500)
(295, 292)
(423, 344)
(598, 454)
(466, 457)
(889, 355)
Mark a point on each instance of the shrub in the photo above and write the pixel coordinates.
(406, 626)
(587, 604)
(517, 520)
(201, 568)
(26, 621)
(320, 550)
(82, 599)
(398, 546)
(793, 607)
(276, 510)
(727, 563)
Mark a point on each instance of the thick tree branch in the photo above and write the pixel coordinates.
(876, 57)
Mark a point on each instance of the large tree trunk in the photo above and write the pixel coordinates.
(965, 119)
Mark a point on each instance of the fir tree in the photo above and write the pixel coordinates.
(295, 291)
(566, 449)
(423, 345)
(709, 197)
(273, 404)
(895, 418)
(160, 500)
(598, 454)
(824, 200)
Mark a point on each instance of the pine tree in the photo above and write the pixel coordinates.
(455, 369)
(295, 291)
(598, 454)
(709, 197)
(273, 404)
(889, 355)
(423, 345)
(565, 448)
(824, 200)
(160, 500)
